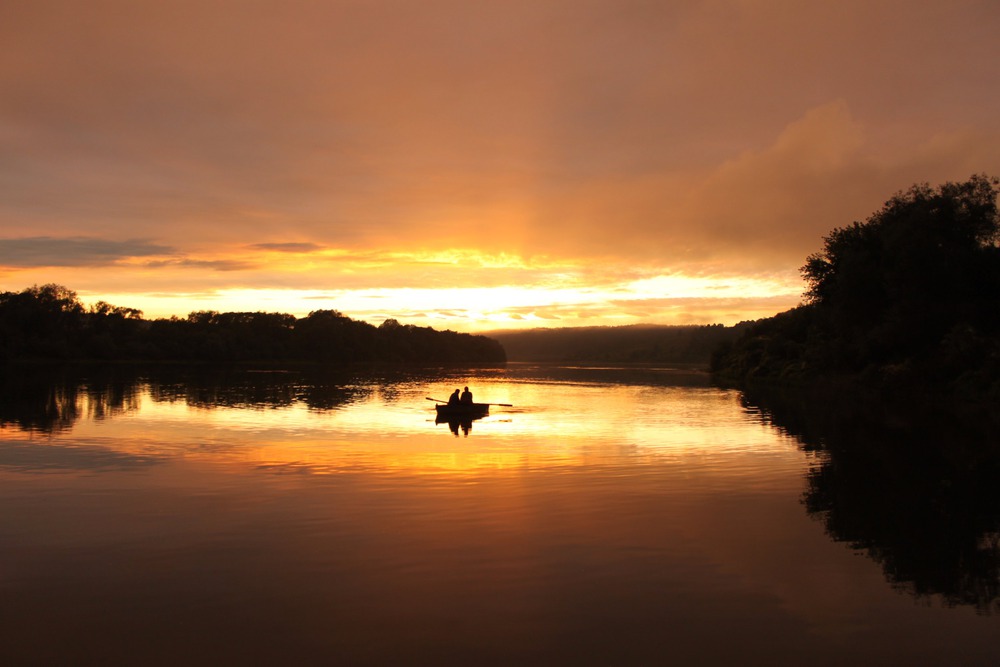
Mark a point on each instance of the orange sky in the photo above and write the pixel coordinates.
(473, 165)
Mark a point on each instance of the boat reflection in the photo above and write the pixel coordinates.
(456, 424)
(460, 416)
(913, 489)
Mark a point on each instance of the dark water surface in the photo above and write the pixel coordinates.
(612, 516)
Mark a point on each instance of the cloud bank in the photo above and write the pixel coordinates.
(48, 251)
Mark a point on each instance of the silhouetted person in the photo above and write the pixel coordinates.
(453, 399)
(466, 397)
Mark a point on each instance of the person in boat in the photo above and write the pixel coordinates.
(454, 398)
(466, 397)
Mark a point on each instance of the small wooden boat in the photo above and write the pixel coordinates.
(462, 410)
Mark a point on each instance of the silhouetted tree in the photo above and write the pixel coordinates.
(911, 295)
(49, 322)
(926, 262)
(40, 322)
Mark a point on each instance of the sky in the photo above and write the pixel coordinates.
(473, 165)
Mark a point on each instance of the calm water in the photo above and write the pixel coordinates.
(611, 517)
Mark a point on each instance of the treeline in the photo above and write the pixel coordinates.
(50, 323)
(908, 300)
(624, 344)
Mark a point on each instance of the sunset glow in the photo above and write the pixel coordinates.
(565, 300)
(401, 437)
(472, 166)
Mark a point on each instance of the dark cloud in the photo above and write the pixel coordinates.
(42, 251)
(210, 264)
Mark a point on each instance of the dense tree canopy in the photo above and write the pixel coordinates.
(49, 322)
(927, 258)
(911, 295)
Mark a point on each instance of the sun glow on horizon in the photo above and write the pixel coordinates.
(554, 301)
(391, 165)
(462, 289)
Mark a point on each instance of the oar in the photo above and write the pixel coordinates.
(438, 400)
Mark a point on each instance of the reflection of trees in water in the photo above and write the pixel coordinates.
(325, 393)
(47, 399)
(913, 489)
(243, 388)
(35, 403)
(43, 399)
(613, 374)
(211, 387)
(110, 396)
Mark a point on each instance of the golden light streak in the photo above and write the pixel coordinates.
(481, 308)
(460, 289)
(396, 433)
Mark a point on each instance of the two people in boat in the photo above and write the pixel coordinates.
(464, 399)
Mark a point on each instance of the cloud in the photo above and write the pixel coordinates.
(46, 251)
(345, 145)
(779, 201)
(760, 210)
(288, 247)
(210, 264)
(535, 125)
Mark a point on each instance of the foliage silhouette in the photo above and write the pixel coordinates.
(50, 323)
(909, 300)
(890, 371)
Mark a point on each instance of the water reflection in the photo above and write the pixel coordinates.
(328, 420)
(915, 492)
(57, 457)
(913, 489)
(247, 388)
(458, 423)
(47, 400)
(311, 516)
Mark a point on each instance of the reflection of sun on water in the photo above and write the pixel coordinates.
(550, 425)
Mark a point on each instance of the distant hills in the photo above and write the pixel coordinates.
(641, 343)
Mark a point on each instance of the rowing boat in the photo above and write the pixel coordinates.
(462, 410)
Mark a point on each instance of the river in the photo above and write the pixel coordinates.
(609, 516)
